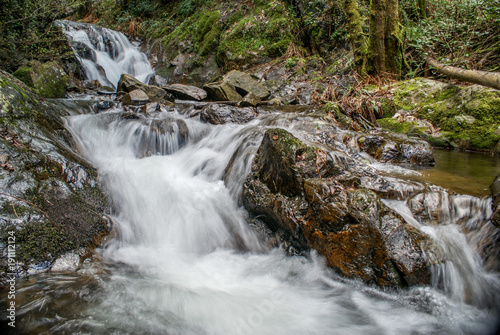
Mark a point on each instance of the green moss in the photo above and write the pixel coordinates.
(252, 37)
(23, 73)
(469, 115)
(40, 242)
(341, 118)
(388, 107)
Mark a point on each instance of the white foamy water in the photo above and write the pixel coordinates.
(109, 53)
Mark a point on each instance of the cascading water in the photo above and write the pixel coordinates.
(185, 261)
(106, 54)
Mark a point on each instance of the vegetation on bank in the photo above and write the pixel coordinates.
(464, 33)
(320, 41)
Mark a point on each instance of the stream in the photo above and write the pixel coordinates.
(183, 258)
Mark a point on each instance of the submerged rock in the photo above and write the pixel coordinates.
(221, 114)
(161, 137)
(50, 196)
(315, 198)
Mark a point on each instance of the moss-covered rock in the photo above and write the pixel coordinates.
(48, 79)
(469, 116)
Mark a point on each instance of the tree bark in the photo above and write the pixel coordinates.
(393, 45)
(490, 79)
(358, 38)
(386, 52)
(376, 53)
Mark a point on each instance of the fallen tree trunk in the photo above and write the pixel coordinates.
(490, 79)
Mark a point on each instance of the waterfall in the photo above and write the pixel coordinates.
(106, 54)
(184, 260)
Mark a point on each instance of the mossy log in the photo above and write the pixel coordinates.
(489, 79)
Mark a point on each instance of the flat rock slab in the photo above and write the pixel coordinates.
(186, 92)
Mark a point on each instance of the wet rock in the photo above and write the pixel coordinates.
(91, 84)
(62, 208)
(221, 114)
(222, 91)
(250, 100)
(128, 83)
(48, 79)
(83, 50)
(495, 193)
(67, 262)
(135, 97)
(151, 108)
(103, 105)
(161, 137)
(318, 201)
(186, 92)
(397, 150)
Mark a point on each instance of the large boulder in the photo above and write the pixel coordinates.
(186, 92)
(221, 114)
(50, 196)
(315, 199)
(48, 79)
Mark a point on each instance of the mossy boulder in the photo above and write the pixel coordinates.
(51, 200)
(47, 79)
(468, 117)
